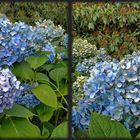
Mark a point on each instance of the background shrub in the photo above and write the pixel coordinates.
(30, 12)
(114, 26)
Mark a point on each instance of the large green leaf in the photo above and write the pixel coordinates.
(45, 132)
(64, 91)
(18, 111)
(36, 61)
(18, 127)
(103, 127)
(23, 70)
(138, 136)
(61, 131)
(47, 67)
(58, 74)
(44, 112)
(49, 126)
(46, 95)
(41, 77)
(81, 134)
(60, 49)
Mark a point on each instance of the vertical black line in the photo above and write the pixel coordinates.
(70, 67)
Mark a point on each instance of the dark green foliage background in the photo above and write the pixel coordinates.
(30, 12)
(114, 26)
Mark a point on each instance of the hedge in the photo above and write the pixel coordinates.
(30, 12)
(114, 26)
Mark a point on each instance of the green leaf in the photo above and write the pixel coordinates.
(45, 132)
(36, 61)
(64, 90)
(112, 48)
(94, 18)
(138, 136)
(49, 126)
(81, 134)
(18, 128)
(41, 77)
(47, 67)
(61, 131)
(91, 25)
(101, 126)
(18, 111)
(60, 49)
(23, 70)
(44, 112)
(59, 65)
(58, 74)
(104, 20)
(46, 95)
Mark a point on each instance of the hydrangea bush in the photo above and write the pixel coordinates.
(31, 58)
(112, 89)
(83, 72)
(19, 40)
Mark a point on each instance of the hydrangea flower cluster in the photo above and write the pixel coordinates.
(15, 41)
(19, 40)
(83, 69)
(82, 49)
(51, 50)
(64, 41)
(45, 34)
(87, 64)
(9, 88)
(50, 30)
(112, 89)
(25, 97)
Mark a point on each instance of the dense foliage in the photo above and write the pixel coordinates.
(33, 79)
(113, 26)
(31, 12)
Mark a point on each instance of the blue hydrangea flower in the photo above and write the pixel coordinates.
(9, 88)
(87, 64)
(25, 97)
(15, 41)
(112, 89)
(65, 40)
(49, 48)
(49, 30)
(19, 40)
